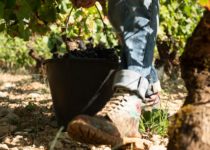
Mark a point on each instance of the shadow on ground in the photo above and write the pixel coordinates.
(27, 119)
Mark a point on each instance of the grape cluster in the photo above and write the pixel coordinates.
(88, 50)
(94, 53)
(98, 52)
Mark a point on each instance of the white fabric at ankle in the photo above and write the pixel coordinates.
(131, 80)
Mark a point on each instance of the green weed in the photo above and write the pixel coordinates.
(155, 122)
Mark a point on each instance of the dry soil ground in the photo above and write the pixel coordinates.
(26, 114)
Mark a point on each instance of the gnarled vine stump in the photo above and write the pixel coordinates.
(190, 129)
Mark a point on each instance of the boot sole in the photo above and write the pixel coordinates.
(85, 133)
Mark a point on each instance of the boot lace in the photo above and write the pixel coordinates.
(116, 102)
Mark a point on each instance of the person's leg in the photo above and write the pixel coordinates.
(136, 22)
(137, 28)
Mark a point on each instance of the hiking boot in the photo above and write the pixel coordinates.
(118, 119)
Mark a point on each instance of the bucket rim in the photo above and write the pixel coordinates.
(81, 59)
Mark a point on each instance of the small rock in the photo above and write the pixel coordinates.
(157, 147)
(17, 140)
(14, 148)
(3, 95)
(34, 95)
(156, 139)
(102, 147)
(7, 140)
(4, 147)
(41, 147)
(32, 148)
(8, 86)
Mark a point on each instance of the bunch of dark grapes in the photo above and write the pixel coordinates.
(94, 53)
(89, 51)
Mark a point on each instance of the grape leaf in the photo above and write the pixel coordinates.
(24, 32)
(34, 4)
(47, 13)
(22, 10)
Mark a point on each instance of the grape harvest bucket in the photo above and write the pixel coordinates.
(79, 85)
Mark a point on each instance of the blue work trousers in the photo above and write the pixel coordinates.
(136, 23)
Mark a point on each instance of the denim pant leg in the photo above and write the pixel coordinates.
(154, 85)
(136, 22)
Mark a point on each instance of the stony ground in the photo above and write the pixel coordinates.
(27, 119)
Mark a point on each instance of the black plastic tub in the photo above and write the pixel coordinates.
(79, 85)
